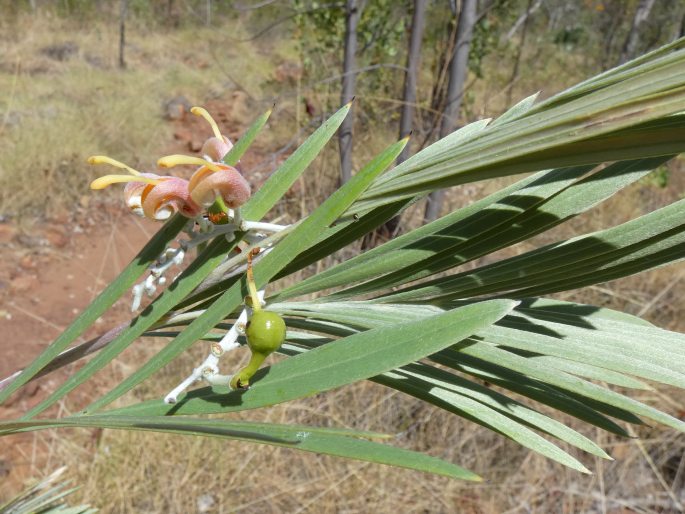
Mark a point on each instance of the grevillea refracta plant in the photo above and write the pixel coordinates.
(406, 314)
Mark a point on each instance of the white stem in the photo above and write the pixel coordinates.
(172, 397)
(246, 226)
(201, 237)
(209, 367)
(219, 380)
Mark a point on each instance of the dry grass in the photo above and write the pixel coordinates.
(57, 113)
(102, 110)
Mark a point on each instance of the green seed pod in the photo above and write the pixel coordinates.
(265, 332)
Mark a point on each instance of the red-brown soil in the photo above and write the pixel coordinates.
(51, 269)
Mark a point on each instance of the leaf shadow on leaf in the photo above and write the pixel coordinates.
(221, 397)
(541, 271)
(215, 431)
(521, 323)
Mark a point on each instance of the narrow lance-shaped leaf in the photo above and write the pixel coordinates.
(243, 144)
(357, 357)
(613, 75)
(518, 110)
(478, 404)
(339, 443)
(434, 386)
(574, 127)
(565, 381)
(257, 206)
(640, 244)
(365, 315)
(285, 176)
(544, 203)
(399, 251)
(185, 283)
(300, 238)
(103, 301)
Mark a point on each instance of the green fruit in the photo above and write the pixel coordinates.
(265, 332)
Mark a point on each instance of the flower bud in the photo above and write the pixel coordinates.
(216, 149)
(205, 185)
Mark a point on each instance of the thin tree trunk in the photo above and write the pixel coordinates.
(413, 58)
(352, 14)
(455, 89)
(679, 30)
(523, 19)
(607, 57)
(391, 228)
(122, 33)
(642, 11)
(517, 61)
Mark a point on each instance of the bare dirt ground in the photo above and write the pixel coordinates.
(49, 273)
(51, 269)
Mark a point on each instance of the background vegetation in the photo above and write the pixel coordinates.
(66, 97)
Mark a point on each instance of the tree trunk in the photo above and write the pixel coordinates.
(523, 19)
(517, 61)
(455, 89)
(413, 58)
(352, 14)
(122, 33)
(642, 11)
(391, 227)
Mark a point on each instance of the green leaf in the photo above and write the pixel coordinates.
(362, 315)
(242, 145)
(557, 378)
(286, 175)
(589, 129)
(620, 349)
(576, 314)
(614, 75)
(444, 390)
(518, 110)
(538, 391)
(511, 215)
(644, 243)
(357, 357)
(183, 285)
(111, 294)
(438, 387)
(340, 443)
(302, 236)
(398, 252)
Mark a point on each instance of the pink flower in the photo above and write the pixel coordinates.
(212, 180)
(146, 194)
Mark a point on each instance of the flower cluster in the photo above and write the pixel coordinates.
(159, 196)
